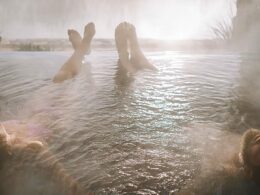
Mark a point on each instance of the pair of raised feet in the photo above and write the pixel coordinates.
(81, 47)
(131, 57)
(79, 43)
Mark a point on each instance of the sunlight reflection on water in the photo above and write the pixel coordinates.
(128, 138)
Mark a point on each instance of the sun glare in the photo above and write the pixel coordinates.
(177, 20)
(167, 19)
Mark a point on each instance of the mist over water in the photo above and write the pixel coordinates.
(168, 19)
(148, 137)
(151, 135)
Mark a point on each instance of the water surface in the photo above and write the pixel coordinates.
(133, 137)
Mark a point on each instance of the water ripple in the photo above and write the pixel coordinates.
(122, 139)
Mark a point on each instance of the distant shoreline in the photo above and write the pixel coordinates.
(147, 44)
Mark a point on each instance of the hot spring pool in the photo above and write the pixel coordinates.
(132, 138)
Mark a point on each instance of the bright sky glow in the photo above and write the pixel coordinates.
(160, 19)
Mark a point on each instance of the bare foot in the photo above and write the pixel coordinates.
(121, 37)
(74, 38)
(73, 65)
(89, 33)
(122, 47)
(137, 58)
(89, 30)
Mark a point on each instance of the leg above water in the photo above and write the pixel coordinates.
(62, 76)
(73, 65)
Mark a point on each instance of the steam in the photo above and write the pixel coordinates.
(214, 146)
(170, 19)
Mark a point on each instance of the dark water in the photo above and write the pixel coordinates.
(132, 138)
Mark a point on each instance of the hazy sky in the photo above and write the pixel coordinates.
(162, 19)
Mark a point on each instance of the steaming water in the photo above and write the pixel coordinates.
(52, 18)
(131, 138)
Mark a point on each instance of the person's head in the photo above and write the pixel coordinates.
(250, 148)
(24, 163)
(9, 143)
(250, 152)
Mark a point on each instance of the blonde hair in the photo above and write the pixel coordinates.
(246, 141)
